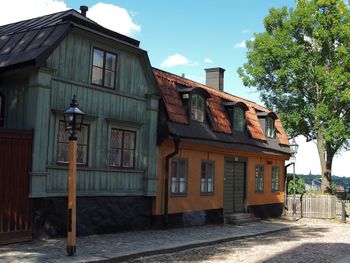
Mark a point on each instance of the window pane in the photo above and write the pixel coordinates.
(203, 173)
(200, 109)
(115, 157)
(173, 176)
(270, 128)
(82, 154)
(83, 135)
(259, 178)
(98, 58)
(238, 119)
(203, 185)
(173, 185)
(210, 185)
(110, 61)
(129, 140)
(116, 138)
(109, 79)
(97, 75)
(62, 133)
(182, 185)
(62, 152)
(128, 158)
(194, 107)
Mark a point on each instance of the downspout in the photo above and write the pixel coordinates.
(166, 181)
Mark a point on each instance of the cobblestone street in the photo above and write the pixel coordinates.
(311, 241)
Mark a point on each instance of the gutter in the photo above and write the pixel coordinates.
(166, 181)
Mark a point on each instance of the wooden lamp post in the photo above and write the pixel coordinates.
(73, 119)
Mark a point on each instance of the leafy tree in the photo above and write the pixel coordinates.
(301, 66)
(299, 185)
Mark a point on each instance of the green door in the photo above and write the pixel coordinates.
(234, 186)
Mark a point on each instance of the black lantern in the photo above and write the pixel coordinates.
(293, 147)
(73, 118)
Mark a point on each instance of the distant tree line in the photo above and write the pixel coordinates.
(343, 181)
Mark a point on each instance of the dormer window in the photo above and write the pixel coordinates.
(238, 119)
(270, 127)
(197, 108)
(236, 112)
(267, 121)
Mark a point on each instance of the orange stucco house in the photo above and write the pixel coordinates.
(218, 154)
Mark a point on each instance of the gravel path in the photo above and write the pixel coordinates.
(312, 241)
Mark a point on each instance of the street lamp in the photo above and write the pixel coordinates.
(293, 150)
(73, 120)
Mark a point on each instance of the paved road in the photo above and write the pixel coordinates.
(115, 247)
(310, 241)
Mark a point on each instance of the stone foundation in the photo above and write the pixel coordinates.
(267, 211)
(95, 215)
(195, 218)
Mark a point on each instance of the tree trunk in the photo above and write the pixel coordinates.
(326, 159)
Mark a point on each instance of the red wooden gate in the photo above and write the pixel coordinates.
(15, 205)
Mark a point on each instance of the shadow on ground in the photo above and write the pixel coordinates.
(219, 251)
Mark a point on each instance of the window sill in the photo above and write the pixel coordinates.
(207, 194)
(178, 195)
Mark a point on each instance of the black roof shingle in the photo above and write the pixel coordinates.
(30, 42)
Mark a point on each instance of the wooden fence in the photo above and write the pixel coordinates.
(317, 206)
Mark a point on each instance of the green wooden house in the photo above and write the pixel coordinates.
(44, 62)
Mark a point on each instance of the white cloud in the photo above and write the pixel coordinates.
(243, 43)
(208, 60)
(114, 18)
(108, 15)
(240, 45)
(16, 10)
(245, 31)
(176, 60)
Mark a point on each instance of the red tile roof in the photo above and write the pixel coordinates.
(219, 119)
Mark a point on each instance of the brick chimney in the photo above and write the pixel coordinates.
(83, 9)
(215, 78)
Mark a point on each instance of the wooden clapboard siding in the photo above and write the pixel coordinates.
(37, 98)
(91, 181)
(72, 60)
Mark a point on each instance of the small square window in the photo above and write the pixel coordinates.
(103, 68)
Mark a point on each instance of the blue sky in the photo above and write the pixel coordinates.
(183, 37)
(198, 30)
